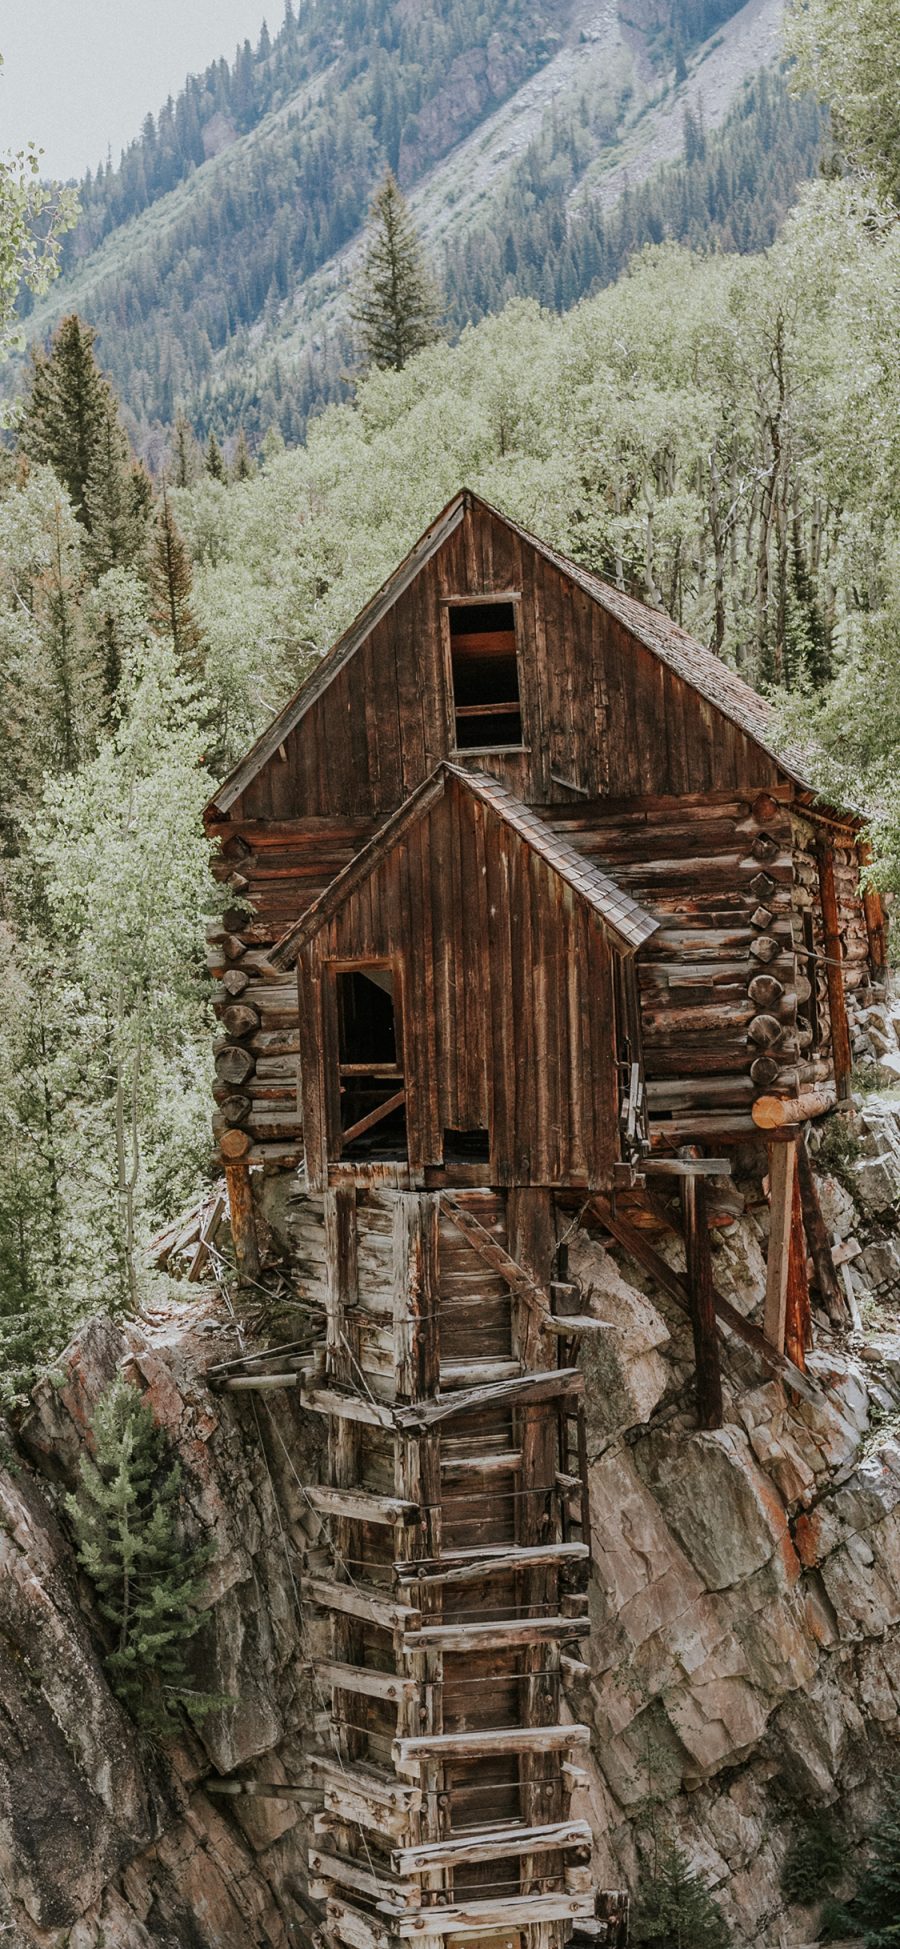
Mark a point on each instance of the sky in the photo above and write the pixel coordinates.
(79, 76)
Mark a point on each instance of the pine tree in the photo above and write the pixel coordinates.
(124, 1514)
(874, 1911)
(171, 582)
(117, 501)
(242, 467)
(675, 1910)
(396, 305)
(215, 459)
(185, 459)
(68, 410)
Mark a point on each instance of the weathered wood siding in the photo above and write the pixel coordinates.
(507, 1002)
(600, 711)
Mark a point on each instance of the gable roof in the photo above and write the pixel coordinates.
(629, 923)
(697, 666)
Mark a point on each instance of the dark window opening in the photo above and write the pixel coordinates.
(467, 1147)
(372, 1087)
(485, 675)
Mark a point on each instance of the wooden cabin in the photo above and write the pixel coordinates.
(538, 915)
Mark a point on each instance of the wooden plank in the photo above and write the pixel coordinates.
(356, 1600)
(494, 1254)
(492, 1845)
(368, 1682)
(241, 1216)
(363, 1124)
(797, 1315)
(837, 1005)
(490, 1740)
(359, 1505)
(561, 1383)
(347, 1407)
(489, 1562)
(710, 1412)
(503, 1635)
(782, 1166)
(491, 1917)
(327, 1869)
(640, 1249)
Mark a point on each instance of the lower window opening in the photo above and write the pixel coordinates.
(467, 1147)
(372, 1084)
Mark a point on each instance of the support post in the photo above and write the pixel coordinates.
(782, 1170)
(834, 971)
(876, 921)
(234, 1147)
(703, 1312)
(798, 1317)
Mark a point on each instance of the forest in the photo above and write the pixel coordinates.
(715, 432)
(180, 266)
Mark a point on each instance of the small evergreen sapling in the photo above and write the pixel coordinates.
(124, 1514)
(675, 1910)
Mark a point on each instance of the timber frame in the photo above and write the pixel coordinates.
(600, 957)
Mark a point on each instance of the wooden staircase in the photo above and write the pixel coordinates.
(452, 1577)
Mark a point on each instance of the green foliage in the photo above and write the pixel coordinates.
(70, 420)
(34, 217)
(873, 1912)
(675, 1910)
(171, 582)
(815, 1862)
(839, 1150)
(396, 304)
(125, 1515)
(847, 52)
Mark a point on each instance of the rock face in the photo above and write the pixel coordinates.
(744, 1661)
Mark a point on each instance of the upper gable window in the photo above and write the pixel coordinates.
(485, 671)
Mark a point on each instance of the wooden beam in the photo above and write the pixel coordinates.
(771, 1112)
(256, 1383)
(782, 1167)
(346, 1407)
(369, 1683)
(710, 1412)
(374, 1116)
(356, 1793)
(326, 1869)
(797, 1317)
(686, 1167)
(876, 919)
(640, 1249)
(834, 970)
(493, 1845)
(504, 1635)
(820, 1247)
(357, 1600)
(262, 1790)
(241, 1216)
(494, 1255)
(492, 1563)
(492, 1917)
(489, 1741)
(559, 1384)
(359, 1505)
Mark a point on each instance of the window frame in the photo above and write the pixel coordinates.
(485, 598)
(331, 1043)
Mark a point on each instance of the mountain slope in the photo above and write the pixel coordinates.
(221, 282)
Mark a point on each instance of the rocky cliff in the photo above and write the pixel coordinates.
(744, 1663)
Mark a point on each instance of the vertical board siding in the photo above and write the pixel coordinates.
(499, 960)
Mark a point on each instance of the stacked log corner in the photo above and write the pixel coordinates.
(451, 1575)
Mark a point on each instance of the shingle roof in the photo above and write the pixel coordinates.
(629, 923)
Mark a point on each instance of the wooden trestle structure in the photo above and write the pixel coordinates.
(533, 925)
(455, 1501)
